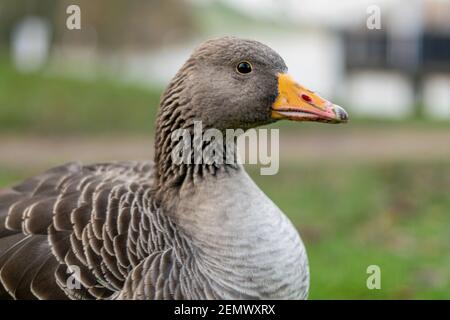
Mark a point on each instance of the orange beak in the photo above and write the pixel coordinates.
(297, 103)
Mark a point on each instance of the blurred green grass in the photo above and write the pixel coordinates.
(46, 103)
(395, 215)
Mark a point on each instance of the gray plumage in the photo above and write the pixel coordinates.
(144, 230)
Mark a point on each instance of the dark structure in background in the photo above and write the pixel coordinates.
(368, 50)
(416, 53)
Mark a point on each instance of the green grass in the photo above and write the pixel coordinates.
(47, 104)
(395, 216)
(8, 177)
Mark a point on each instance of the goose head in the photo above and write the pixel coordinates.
(229, 83)
(238, 83)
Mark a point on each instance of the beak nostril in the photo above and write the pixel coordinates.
(306, 97)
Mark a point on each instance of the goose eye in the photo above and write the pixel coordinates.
(244, 67)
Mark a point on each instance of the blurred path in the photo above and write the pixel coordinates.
(349, 146)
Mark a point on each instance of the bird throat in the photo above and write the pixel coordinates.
(187, 151)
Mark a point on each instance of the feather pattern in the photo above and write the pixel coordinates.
(102, 233)
(144, 230)
(82, 216)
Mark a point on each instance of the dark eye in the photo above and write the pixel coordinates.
(244, 67)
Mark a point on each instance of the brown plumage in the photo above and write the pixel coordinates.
(144, 230)
(73, 215)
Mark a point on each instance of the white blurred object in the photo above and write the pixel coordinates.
(313, 58)
(380, 94)
(329, 13)
(30, 43)
(406, 18)
(436, 96)
(405, 34)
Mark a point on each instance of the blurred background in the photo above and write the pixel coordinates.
(375, 191)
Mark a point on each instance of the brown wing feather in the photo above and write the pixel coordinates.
(73, 222)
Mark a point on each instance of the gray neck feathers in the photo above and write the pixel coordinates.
(241, 244)
(177, 112)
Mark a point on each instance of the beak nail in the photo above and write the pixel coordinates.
(341, 113)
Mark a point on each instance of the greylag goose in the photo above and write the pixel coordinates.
(166, 230)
